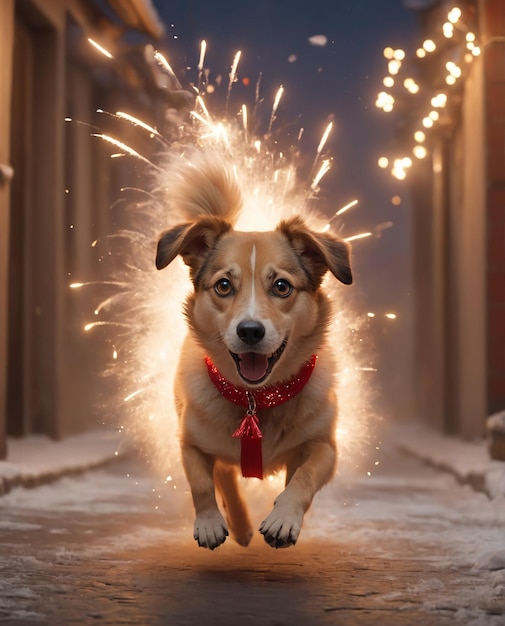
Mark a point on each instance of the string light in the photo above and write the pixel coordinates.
(454, 27)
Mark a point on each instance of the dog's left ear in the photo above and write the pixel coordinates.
(320, 252)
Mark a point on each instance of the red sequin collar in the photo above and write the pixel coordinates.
(265, 397)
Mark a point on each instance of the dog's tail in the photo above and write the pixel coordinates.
(203, 183)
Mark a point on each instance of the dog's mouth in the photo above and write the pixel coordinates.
(253, 367)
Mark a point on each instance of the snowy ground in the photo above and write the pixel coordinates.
(35, 460)
(406, 545)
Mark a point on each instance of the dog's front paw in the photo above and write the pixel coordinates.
(210, 529)
(282, 527)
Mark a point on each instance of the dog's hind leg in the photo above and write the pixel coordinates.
(239, 523)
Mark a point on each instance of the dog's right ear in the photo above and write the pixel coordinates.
(192, 241)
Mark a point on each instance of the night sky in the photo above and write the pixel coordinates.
(338, 81)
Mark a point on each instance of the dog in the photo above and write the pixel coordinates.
(255, 387)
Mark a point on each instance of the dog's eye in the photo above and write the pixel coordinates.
(282, 288)
(223, 287)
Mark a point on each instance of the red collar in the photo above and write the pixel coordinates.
(265, 397)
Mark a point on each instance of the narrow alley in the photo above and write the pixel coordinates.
(407, 545)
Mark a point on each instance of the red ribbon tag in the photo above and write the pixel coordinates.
(251, 459)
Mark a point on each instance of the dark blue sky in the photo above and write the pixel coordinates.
(340, 80)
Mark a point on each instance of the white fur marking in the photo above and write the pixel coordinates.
(252, 301)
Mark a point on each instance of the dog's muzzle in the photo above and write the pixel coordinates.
(254, 367)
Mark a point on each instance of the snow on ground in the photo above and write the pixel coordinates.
(402, 510)
(37, 459)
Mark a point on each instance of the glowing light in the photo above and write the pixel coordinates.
(429, 45)
(476, 51)
(244, 118)
(411, 85)
(406, 162)
(383, 162)
(346, 207)
(371, 314)
(420, 53)
(470, 36)
(325, 166)
(419, 152)
(453, 69)
(399, 54)
(233, 73)
(391, 316)
(132, 395)
(161, 60)
(100, 48)
(427, 122)
(277, 99)
(123, 147)
(385, 101)
(434, 115)
(201, 103)
(324, 138)
(76, 285)
(419, 136)
(399, 173)
(388, 53)
(394, 66)
(136, 122)
(396, 200)
(454, 15)
(359, 236)
(203, 50)
(450, 79)
(448, 30)
(439, 101)
(388, 81)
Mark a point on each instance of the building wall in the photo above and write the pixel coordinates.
(460, 245)
(493, 19)
(468, 244)
(6, 51)
(59, 203)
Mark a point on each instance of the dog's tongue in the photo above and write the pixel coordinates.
(253, 366)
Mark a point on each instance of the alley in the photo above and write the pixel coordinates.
(406, 545)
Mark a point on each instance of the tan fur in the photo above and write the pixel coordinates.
(298, 435)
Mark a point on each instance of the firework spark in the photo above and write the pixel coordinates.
(100, 48)
(146, 313)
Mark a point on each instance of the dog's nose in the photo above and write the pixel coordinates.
(250, 332)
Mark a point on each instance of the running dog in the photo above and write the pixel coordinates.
(255, 387)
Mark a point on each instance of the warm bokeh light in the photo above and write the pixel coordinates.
(419, 152)
(429, 45)
(394, 66)
(454, 15)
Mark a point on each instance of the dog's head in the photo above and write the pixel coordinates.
(257, 307)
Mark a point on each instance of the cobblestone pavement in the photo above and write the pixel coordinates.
(384, 550)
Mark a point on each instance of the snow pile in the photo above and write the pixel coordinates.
(36, 459)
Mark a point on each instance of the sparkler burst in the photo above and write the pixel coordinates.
(145, 314)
